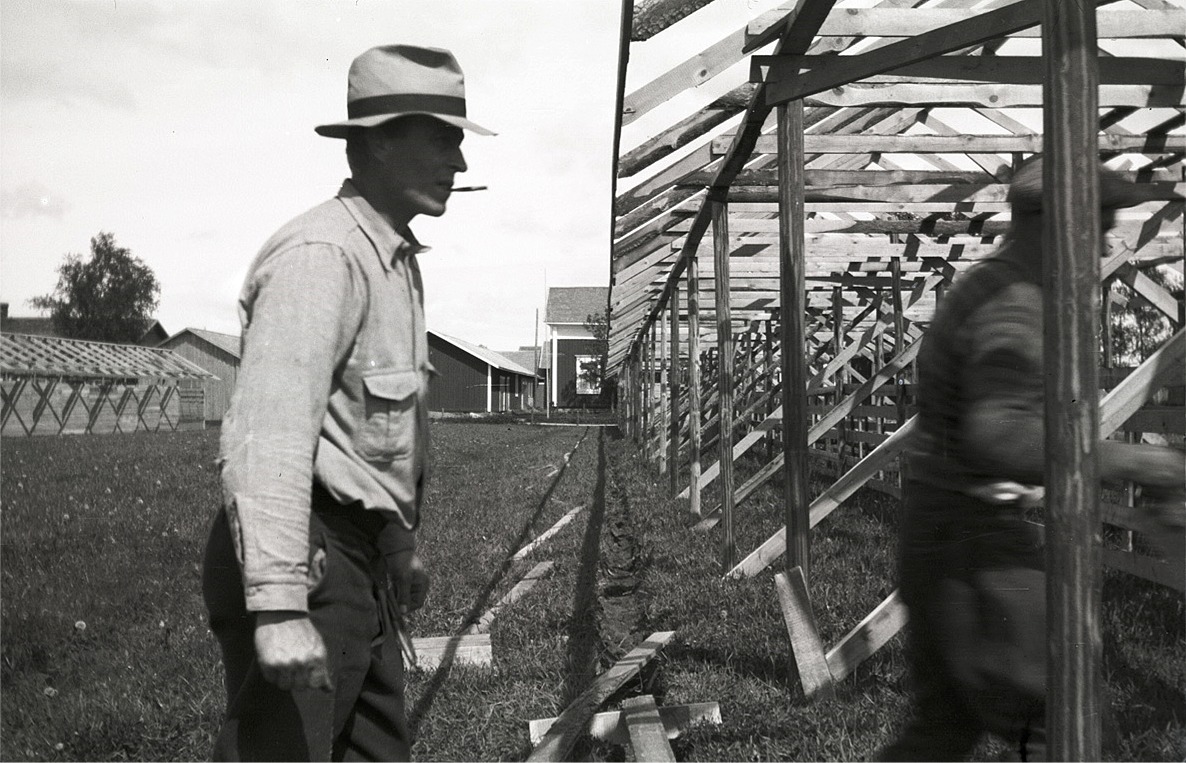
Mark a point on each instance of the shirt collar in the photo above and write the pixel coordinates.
(390, 244)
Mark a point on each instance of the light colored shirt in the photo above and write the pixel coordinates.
(332, 387)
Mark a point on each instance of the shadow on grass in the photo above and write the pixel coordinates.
(482, 601)
(583, 633)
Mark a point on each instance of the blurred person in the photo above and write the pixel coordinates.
(970, 565)
(312, 560)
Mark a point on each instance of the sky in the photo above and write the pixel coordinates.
(186, 130)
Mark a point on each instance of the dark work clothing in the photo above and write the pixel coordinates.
(350, 603)
(980, 368)
(971, 571)
(971, 577)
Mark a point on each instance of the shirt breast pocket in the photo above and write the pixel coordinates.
(388, 432)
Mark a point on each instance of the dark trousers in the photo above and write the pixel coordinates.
(350, 605)
(972, 580)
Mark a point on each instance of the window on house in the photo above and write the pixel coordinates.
(588, 378)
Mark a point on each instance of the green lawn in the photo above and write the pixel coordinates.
(108, 531)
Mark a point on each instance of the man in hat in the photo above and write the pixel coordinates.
(324, 446)
(970, 565)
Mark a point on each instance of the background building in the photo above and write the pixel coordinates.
(214, 352)
(471, 378)
(572, 345)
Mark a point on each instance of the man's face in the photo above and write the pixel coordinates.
(416, 159)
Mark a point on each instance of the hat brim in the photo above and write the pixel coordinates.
(342, 129)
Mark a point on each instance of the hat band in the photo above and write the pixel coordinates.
(396, 103)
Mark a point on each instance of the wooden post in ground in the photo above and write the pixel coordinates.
(1071, 290)
(899, 345)
(792, 284)
(648, 389)
(720, 238)
(694, 385)
(624, 393)
(768, 384)
(662, 419)
(841, 376)
(674, 380)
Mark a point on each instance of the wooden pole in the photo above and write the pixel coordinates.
(720, 233)
(648, 388)
(694, 414)
(841, 375)
(674, 381)
(1071, 308)
(899, 346)
(662, 419)
(768, 383)
(792, 285)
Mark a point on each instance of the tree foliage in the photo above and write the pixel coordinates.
(593, 373)
(109, 297)
(1138, 328)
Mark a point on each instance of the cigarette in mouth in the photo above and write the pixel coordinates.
(460, 188)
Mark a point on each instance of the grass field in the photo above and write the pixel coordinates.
(106, 654)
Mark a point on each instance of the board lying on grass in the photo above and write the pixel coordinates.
(470, 649)
(557, 743)
(546, 534)
(610, 726)
(537, 573)
(648, 738)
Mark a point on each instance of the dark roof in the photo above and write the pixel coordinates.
(489, 357)
(153, 335)
(525, 358)
(229, 343)
(27, 355)
(34, 325)
(573, 304)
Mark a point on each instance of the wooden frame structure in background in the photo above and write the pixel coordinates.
(840, 190)
(59, 386)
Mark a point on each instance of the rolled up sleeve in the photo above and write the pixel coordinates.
(302, 312)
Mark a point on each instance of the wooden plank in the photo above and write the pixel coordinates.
(547, 534)
(1001, 70)
(694, 402)
(806, 648)
(610, 726)
(962, 32)
(912, 22)
(691, 73)
(469, 649)
(872, 633)
(518, 591)
(648, 737)
(1154, 570)
(1070, 293)
(828, 501)
(720, 230)
(1163, 366)
(557, 743)
(993, 96)
(955, 144)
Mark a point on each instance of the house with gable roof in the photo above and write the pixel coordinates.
(571, 345)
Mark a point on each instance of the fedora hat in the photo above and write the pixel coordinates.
(1116, 191)
(401, 80)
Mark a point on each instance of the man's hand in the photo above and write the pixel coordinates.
(290, 651)
(409, 578)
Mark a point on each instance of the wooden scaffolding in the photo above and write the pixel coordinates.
(66, 386)
(864, 165)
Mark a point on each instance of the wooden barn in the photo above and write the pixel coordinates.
(67, 386)
(571, 344)
(217, 353)
(476, 380)
(793, 200)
